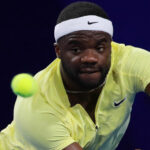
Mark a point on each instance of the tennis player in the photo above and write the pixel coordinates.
(86, 94)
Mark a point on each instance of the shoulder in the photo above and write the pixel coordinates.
(121, 48)
(125, 55)
(131, 65)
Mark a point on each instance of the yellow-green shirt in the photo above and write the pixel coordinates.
(46, 121)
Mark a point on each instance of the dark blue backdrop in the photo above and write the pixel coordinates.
(26, 45)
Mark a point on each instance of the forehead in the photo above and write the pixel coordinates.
(86, 35)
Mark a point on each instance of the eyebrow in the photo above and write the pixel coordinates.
(102, 40)
(74, 41)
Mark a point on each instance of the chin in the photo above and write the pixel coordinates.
(91, 81)
(90, 84)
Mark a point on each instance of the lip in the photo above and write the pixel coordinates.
(88, 70)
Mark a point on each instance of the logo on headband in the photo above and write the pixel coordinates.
(89, 23)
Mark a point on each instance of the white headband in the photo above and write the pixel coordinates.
(90, 22)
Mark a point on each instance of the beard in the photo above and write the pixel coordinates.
(86, 81)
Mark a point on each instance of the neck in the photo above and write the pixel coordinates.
(86, 92)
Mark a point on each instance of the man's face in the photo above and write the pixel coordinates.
(85, 57)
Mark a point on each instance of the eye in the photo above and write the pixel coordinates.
(76, 50)
(100, 48)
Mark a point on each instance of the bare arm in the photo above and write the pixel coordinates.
(73, 146)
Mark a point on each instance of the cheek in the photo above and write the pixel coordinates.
(72, 58)
(107, 59)
(103, 59)
(72, 62)
(107, 56)
(75, 59)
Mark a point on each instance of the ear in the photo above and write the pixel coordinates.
(57, 50)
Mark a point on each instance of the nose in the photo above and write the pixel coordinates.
(89, 57)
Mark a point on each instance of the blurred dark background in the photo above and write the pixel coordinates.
(26, 45)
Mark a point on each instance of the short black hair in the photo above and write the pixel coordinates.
(79, 9)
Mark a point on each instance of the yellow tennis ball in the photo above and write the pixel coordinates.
(24, 85)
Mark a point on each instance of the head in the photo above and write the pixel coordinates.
(84, 50)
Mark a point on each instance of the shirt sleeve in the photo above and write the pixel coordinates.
(38, 125)
(136, 66)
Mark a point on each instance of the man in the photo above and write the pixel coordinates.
(86, 94)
